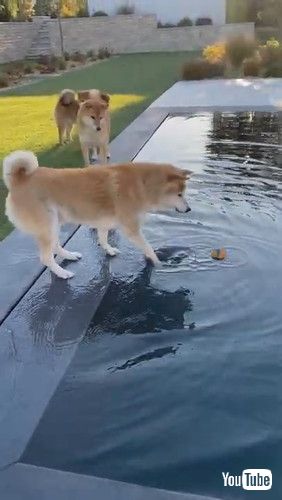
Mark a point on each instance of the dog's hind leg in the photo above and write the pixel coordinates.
(48, 242)
(46, 247)
(103, 240)
(61, 131)
(68, 132)
(134, 234)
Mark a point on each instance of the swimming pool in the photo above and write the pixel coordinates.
(178, 377)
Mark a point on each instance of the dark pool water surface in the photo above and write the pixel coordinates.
(179, 376)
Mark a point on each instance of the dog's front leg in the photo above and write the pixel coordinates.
(103, 154)
(94, 156)
(103, 240)
(135, 235)
(85, 154)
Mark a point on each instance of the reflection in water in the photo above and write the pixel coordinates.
(236, 137)
(148, 356)
(137, 307)
(252, 127)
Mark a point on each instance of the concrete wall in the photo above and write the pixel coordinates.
(15, 40)
(122, 34)
(139, 34)
(167, 10)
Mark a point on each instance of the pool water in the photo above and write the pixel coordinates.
(179, 376)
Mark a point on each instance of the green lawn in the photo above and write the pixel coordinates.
(26, 113)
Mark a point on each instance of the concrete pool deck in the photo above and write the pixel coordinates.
(250, 93)
(43, 320)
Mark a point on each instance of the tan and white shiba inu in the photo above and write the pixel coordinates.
(40, 199)
(93, 124)
(65, 114)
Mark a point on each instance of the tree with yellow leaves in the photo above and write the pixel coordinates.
(25, 9)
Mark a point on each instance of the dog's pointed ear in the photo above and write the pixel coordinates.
(105, 97)
(83, 95)
(179, 174)
(187, 173)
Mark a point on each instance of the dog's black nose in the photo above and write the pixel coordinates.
(98, 129)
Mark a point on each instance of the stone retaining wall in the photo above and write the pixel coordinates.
(121, 34)
(15, 40)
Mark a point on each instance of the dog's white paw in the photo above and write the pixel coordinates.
(112, 251)
(74, 256)
(64, 274)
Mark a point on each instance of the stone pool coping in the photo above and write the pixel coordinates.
(44, 319)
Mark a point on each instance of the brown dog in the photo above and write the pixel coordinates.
(106, 197)
(65, 114)
(93, 123)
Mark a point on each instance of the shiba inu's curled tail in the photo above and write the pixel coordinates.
(17, 166)
(67, 97)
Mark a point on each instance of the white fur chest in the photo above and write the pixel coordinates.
(88, 133)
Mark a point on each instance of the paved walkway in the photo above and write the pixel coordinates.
(246, 93)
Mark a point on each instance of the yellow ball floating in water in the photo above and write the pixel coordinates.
(218, 254)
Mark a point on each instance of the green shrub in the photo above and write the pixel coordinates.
(271, 52)
(166, 25)
(4, 80)
(125, 10)
(5, 12)
(83, 12)
(29, 68)
(252, 66)
(44, 60)
(61, 63)
(67, 56)
(199, 69)
(185, 21)
(99, 13)
(274, 70)
(203, 21)
(238, 49)
(15, 68)
(104, 53)
(272, 43)
(264, 34)
(78, 57)
(90, 53)
(48, 63)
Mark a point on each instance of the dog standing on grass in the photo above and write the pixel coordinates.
(94, 125)
(65, 114)
(106, 197)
